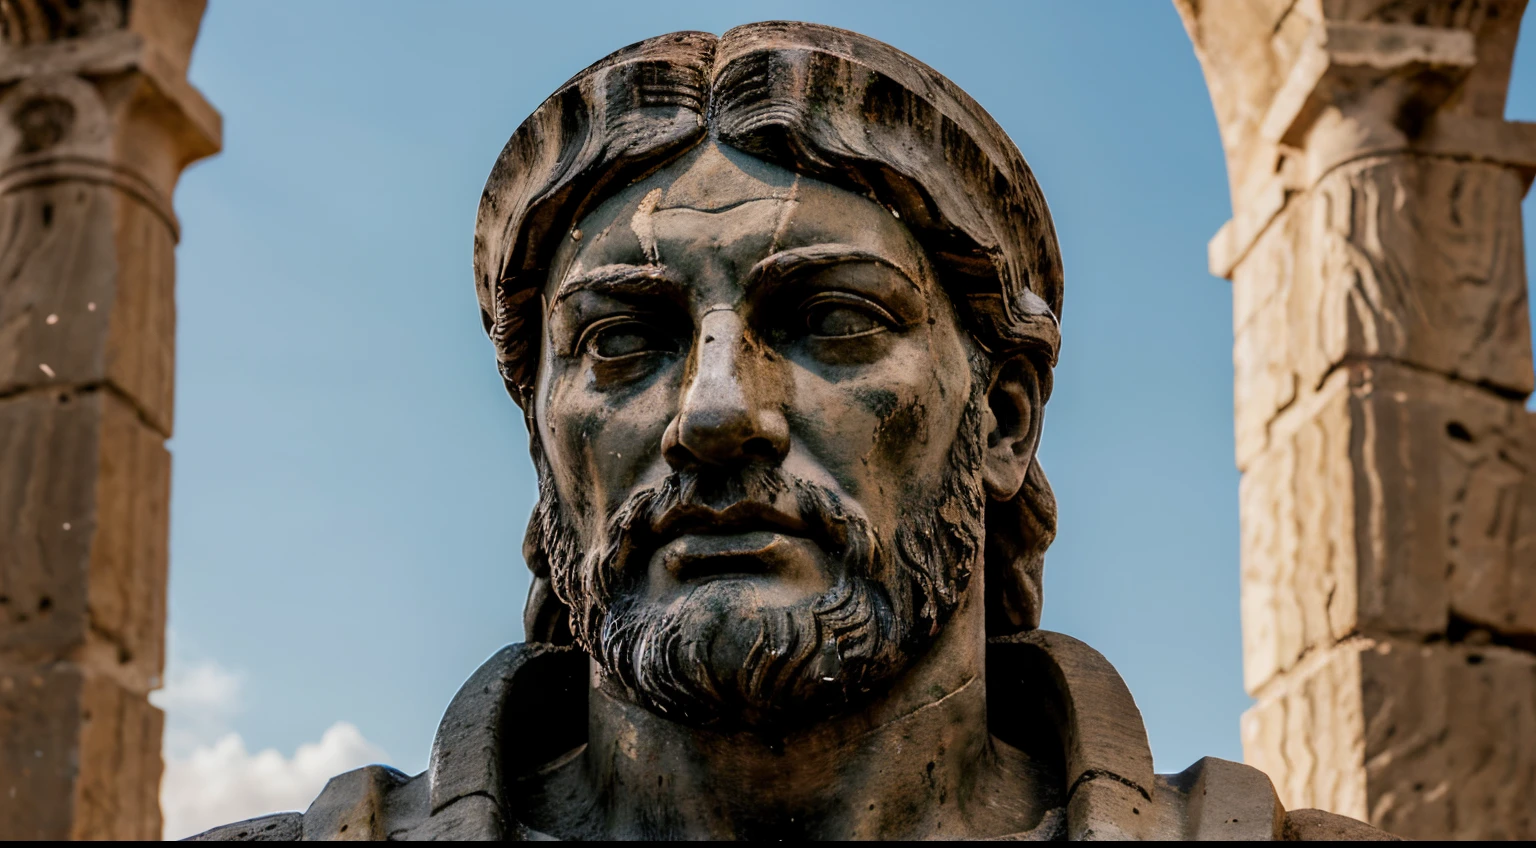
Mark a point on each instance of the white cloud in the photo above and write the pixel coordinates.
(210, 777)
(223, 782)
(199, 699)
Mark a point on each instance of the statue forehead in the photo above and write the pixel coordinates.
(719, 181)
(713, 178)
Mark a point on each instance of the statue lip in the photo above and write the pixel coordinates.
(702, 557)
(740, 517)
(746, 540)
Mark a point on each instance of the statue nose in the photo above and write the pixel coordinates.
(729, 413)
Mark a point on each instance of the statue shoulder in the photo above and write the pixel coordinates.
(1049, 684)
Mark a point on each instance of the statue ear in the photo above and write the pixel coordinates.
(1012, 423)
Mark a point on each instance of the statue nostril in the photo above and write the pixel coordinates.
(678, 456)
(759, 448)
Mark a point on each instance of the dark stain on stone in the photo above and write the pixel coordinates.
(43, 122)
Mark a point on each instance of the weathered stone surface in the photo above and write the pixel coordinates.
(87, 268)
(1262, 353)
(1494, 23)
(1433, 739)
(1388, 502)
(279, 827)
(1417, 261)
(118, 788)
(1251, 50)
(1339, 58)
(40, 709)
(1320, 826)
(1229, 801)
(83, 533)
(1421, 261)
(49, 447)
(1233, 40)
(79, 758)
(56, 285)
(1309, 738)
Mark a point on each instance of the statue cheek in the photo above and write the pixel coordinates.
(904, 430)
(625, 453)
(569, 422)
(566, 450)
(904, 396)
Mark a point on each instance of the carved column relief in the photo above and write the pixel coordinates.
(1383, 358)
(97, 122)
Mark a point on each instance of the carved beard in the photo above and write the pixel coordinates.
(712, 657)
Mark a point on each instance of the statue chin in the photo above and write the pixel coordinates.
(718, 657)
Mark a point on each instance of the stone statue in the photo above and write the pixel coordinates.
(781, 309)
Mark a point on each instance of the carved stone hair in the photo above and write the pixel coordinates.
(830, 104)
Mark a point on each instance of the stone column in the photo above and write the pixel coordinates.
(97, 121)
(1383, 358)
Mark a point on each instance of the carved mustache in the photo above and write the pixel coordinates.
(756, 497)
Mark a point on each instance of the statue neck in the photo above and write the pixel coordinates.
(917, 763)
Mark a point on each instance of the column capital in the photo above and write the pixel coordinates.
(1302, 88)
(97, 91)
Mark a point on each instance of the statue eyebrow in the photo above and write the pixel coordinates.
(799, 260)
(618, 279)
(623, 279)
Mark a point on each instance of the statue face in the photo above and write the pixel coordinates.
(761, 432)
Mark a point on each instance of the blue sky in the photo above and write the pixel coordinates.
(351, 482)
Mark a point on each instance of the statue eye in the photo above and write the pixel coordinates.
(625, 337)
(843, 316)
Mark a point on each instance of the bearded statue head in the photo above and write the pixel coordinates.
(780, 308)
